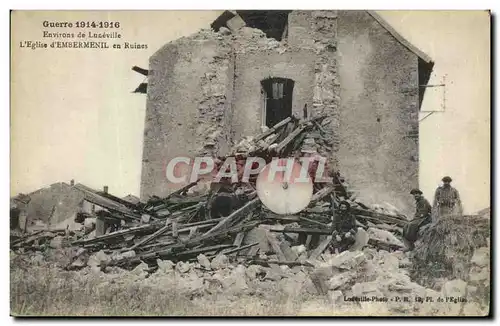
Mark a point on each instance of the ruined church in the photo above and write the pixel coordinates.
(252, 69)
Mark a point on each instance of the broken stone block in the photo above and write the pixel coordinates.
(123, 255)
(339, 280)
(91, 235)
(454, 288)
(391, 262)
(384, 236)
(38, 258)
(98, 258)
(204, 262)
(182, 267)
(235, 282)
(479, 274)
(140, 269)
(219, 262)
(347, 260)
(194, 285)
(57, 242)
(145, 218)
(253, 271)
(248, 32)
(224, 31)
(235, 23)
(335, 296)
(290, 286)
(302, 257)
(165, 265)
(240, 271)
(360, 289)
(481, 257)
(298, 250)
(274, 274)
(81, 262)
(285, 269)
(361, 240)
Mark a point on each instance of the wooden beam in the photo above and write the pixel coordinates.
(290, 255)
(247, 208)
(313, 222)
(279, 262)
(308, 231)
(150, 237)
(140, 70)
(322, 246)
(273, 129)
(285, 142)
(321, 194)
(275, 245)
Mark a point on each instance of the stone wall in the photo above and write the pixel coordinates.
(53, 204)
(204, 94)
(258, 58)
(188, 105)
(316, 31)
(377, 113)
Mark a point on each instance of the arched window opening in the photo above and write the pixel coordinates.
(277, 100)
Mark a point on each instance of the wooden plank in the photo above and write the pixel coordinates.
(309, 231)
(382, 219)
(150, 237)
(305, 219)
(239, 239)
(319, 281)
(192, 232)
(322, 246)
(100, 227)
(308, 241)
(175, 231)
(253, 251)
(247, 208)
(321, 194)
(273, 129)
(139, 229)
(384, 245)
(290, 255)
(279, 262)
(275, 245)
(381, 216)
(285, 142)
(231, 252)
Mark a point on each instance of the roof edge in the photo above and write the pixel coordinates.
(399, 37)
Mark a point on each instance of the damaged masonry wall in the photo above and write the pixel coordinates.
(204, 95)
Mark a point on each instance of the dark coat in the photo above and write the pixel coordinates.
(422, 217)
(344, 221)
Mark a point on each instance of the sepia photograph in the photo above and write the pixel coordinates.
(250, 163)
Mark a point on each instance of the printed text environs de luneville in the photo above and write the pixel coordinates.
(89, 34)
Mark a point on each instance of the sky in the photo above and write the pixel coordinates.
(74, 116)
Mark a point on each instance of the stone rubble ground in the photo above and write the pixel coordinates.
(369, 273)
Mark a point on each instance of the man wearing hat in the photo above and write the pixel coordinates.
(447, 199)
(344, 227)
(422, 217)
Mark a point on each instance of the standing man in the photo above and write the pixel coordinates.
(447, 199)
(422, 217)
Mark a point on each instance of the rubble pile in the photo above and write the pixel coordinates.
(227, 220)
(225, 241)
